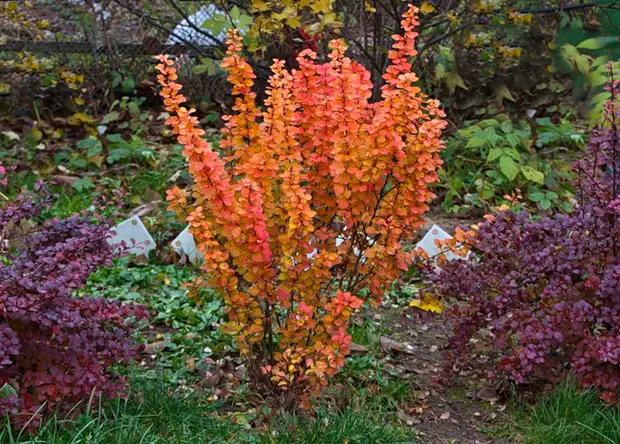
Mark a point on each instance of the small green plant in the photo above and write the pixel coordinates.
(590, 62)
(123, 80)
(188, 330)
(493, 158)
(127, 113)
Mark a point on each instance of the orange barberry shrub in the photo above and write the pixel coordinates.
(310, 202)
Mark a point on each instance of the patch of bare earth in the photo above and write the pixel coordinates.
(462, 408)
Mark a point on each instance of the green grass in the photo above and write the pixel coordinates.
(153, 414)
(367, 332)
(364, 423)
(569, 416)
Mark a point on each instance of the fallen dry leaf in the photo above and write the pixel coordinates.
(487, 394)
(356, 348)
(65, 180)
(145, 209)
(390, 345)
(409, 420)
(212, 380)
(154, 347)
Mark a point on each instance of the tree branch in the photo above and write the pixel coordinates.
(568, 8)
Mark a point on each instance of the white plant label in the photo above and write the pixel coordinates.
(135, 235)
(428, 243)
(185, 244)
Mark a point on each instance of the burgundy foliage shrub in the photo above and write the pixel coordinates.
(549, 290)
(56, 350)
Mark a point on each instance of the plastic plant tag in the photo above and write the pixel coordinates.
(135, 235)
(428, 243)
(184, 244)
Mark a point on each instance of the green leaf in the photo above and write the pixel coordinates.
(599, 61)
(235, 13)
(551, 195)
(582, 62)
(116, 155)
(536, 196)
(110, 117)
(475, 142)
(516, 155)
(6, 391)
(506, 126)
(115, 138)
(214, 26)
(89, 142)
(508, 167)
(83, 184)
(512, 139)
(545, 204)
(208, 66)
(128, 85)
(487, 193)
(599, 42)
(244, 21)
(601, 97)
(597, 78)
(212, 117)
(576, 23)
(495, 154)
(569, 52)
(134, 108)
(533, 175)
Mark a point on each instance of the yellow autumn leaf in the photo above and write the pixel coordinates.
(37, 134)
(454, 80)
(293, 22)
(330, 19)
(78, 118)
(503, 92)
(321, 7)
(369, 7)
(427, 303)
(43, 24)
(426, 8)
(231, 328)
(259, 6)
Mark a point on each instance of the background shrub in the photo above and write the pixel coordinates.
(56, 350)
(548, 290)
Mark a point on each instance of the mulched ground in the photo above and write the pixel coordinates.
(468, 409)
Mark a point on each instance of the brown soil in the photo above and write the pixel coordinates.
(447, 409)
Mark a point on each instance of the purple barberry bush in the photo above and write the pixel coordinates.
(548, 291)
(56, 350)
